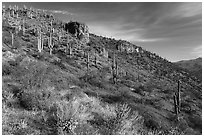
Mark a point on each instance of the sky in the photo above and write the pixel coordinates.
(172, 30)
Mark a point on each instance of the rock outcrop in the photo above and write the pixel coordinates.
(79, 30)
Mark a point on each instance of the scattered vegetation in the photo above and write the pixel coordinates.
(77, 84)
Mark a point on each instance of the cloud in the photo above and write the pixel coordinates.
(56, 11)
(189, 9)
(197, 51)
(151, 40)
(61, 12)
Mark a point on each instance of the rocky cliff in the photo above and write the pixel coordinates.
(79, 30)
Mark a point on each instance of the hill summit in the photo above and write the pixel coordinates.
(194, 66)
(57, 78)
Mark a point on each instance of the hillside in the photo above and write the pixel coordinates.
(57, 78)
(194, 66)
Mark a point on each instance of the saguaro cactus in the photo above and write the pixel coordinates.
(176, 106)
(179, 97)
(138, 67)
(23, 27)
(105, 53)
(87, 61)
(12, 12)
(12, 39)
(3, 11)
(69, 47)
(177, 101)
(114, 69)
(70, 50)
(42, 42)
(39, 40)
(16, 13)
(95, 58)
(50, 44)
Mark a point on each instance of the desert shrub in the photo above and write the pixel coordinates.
(93, 79)
(124, 92)
(36, 74)
(6, 69)
(61, 80)
(37, 99)
(139, 90)
(123, 122)
(30, 99)
(195, 122)
(89, 115)
(16, 122)
(67, 117)
(170, 131)
(31, 73)
(112, 99)
(127, 121)
(9, 99)
(152, 124)
(186, 107)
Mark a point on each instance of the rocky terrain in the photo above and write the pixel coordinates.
(57, 78)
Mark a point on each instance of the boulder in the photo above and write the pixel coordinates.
(78, 30)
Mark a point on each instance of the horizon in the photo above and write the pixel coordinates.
(171, 30)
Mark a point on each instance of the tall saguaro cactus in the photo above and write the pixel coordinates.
(23, 27)
(177, 101)
(70, 50)
(114, 69)
(12, 13)
(3, 11)
(69, 47)
(16, 13)
(138, 67)
(105, 53)
(50, 44)
(179, 97)
(39, 40)
(12, 39)
(87, 61)
(95, 58)
(42, 42)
